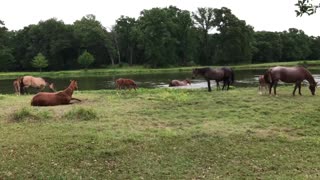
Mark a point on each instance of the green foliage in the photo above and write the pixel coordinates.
(6, 59)
(39, 61)
(82, 114)
(306, 7)
(85, 59)
(159, 37)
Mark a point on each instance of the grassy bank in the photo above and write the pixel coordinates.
(140, 70)
(162, 134)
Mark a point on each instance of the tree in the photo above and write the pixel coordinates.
(85, 59)
(39, 61)
(204, 18)
(306, 7)
(92, 36)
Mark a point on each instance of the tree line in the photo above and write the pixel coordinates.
(159, 37)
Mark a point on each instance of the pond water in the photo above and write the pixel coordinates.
(244, 78)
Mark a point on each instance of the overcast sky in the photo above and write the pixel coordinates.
(269, 15)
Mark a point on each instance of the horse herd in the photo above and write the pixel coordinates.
(267, 81)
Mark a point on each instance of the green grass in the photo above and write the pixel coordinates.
(315, 64)
(163, 134)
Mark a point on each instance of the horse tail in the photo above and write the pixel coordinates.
(232, 76)
(21, 84)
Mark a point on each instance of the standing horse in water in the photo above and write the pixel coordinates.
(35, 82)
(125, 83)
(179, 83)
(224, 74)
(55, 98)
(289, 75)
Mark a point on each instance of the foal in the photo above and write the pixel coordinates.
(126, 83)
(17, 85)
(262, 85)
(57, 98)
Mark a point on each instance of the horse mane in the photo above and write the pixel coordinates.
(202, 70)
(308, 74)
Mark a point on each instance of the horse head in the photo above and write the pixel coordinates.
(74, 84)
(312, 88)
(188, 81)
(195, 73)
(51, 86)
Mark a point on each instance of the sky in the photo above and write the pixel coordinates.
(267, 15)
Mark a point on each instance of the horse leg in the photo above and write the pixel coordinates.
(75, 99)
(228, 82)
(274, 88)
(294, 90)
(300, 89)
(209, 87)
(218, 86)
(270, 88)
(224, 84)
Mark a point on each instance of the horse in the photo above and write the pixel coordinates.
(55, 98)
(262, 84)
(179, 83)
(224, 74)
(17, 86)
(289, 75)
(36, 82)
(125, 83)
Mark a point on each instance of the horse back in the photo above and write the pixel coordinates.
(50, 99)
(33, 81)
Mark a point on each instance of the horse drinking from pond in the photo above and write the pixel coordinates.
(289, 75)
(263, 86)
(179, 83)
(126, 83)
(224, 74)
(55, 98)
(35, 82)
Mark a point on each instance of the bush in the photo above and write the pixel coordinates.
(81, 114)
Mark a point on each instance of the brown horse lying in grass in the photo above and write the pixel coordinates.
(179, 83)
(35, 82)
(58, 98)
(126, 83)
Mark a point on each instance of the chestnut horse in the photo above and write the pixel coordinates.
(179, 83)
(55, 98)
(263, 86)
(224, 74)
(289, 75)
(125, 83)
(35, 82)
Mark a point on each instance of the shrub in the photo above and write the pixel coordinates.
(81, 114)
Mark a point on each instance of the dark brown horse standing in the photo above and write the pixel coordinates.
(58, 98)
(179, 83)
(224, 74)
(289, 75)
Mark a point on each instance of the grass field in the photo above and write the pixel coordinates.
(163, 134)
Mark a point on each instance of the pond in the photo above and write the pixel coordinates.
(244, 78)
